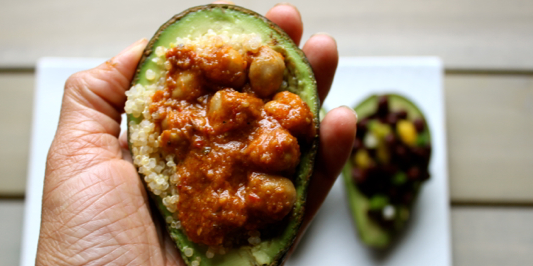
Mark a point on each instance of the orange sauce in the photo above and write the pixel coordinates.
(235, 155)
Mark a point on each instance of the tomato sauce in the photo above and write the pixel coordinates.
(235, 152)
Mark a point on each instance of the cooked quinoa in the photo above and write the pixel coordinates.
(160, 171)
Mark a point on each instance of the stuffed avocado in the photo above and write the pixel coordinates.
(222, 126)
(388, 165)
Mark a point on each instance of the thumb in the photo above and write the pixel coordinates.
(94, 99)
(89, 123)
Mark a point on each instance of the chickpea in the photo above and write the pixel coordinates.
(274, 150)
(175, 141)
(292, 113)
(164, 123)
(266, 72)
(228, 110)
(270, 197)
(188, 86)
(225, 67)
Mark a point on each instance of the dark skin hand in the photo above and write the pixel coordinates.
(95, 208)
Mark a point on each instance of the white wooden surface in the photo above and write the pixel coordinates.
(467, 34)
(489, 125)
(10, 231)
(16, 110)
(488, 115)
(492, 236)
(486, 236)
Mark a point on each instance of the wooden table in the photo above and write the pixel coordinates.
(486, 46)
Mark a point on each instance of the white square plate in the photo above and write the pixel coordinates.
(332, 238)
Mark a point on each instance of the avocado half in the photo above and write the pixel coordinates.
(197, 21)
(371, 232)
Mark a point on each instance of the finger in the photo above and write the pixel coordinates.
(337, 133)
(288, 18)
(94, 99)
(321, 51)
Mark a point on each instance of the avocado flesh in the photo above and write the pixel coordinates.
(233, 19)
(372, 233)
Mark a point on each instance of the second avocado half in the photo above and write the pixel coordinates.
(388, 165)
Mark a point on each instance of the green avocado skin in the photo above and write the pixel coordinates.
(369, 231)
(194, 22)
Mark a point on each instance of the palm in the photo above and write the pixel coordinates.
(103, 206)
(95, 208)
(118, 214)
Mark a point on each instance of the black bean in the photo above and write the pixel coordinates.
(425, 175)
(401, 150)
(394, 195)
(401, 114)
(420, 155)
(362, 128)
(372, 153)
(424, 154)
(392, 119)
(367, 188)
(359, 175)
(419, 125)
(408, 198)
(372, 171)
(389, 170)
(390, 140)
(383, 106)
(413, 173)
(375, 215)
(402, 155)
(356, 145)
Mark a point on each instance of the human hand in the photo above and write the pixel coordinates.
(95, 208)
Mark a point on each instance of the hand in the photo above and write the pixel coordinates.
(95, 208)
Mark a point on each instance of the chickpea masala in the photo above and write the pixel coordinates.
(234, 138)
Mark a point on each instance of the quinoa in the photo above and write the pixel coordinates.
(159, 172)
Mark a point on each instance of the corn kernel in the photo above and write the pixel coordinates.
(382, 153)
(362, 159)
(407, 132)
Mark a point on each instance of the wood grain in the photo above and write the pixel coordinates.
(489, 121)
(490, 236)
(490, 144)
(467, 34)
(11, 215)
(16, 108)
(481, 236)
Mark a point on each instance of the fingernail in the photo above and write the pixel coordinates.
(291, 5)
(138, 44)
(323, 33)
(284, 4)
(224, 2)
(352, 110)
(136, 47)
